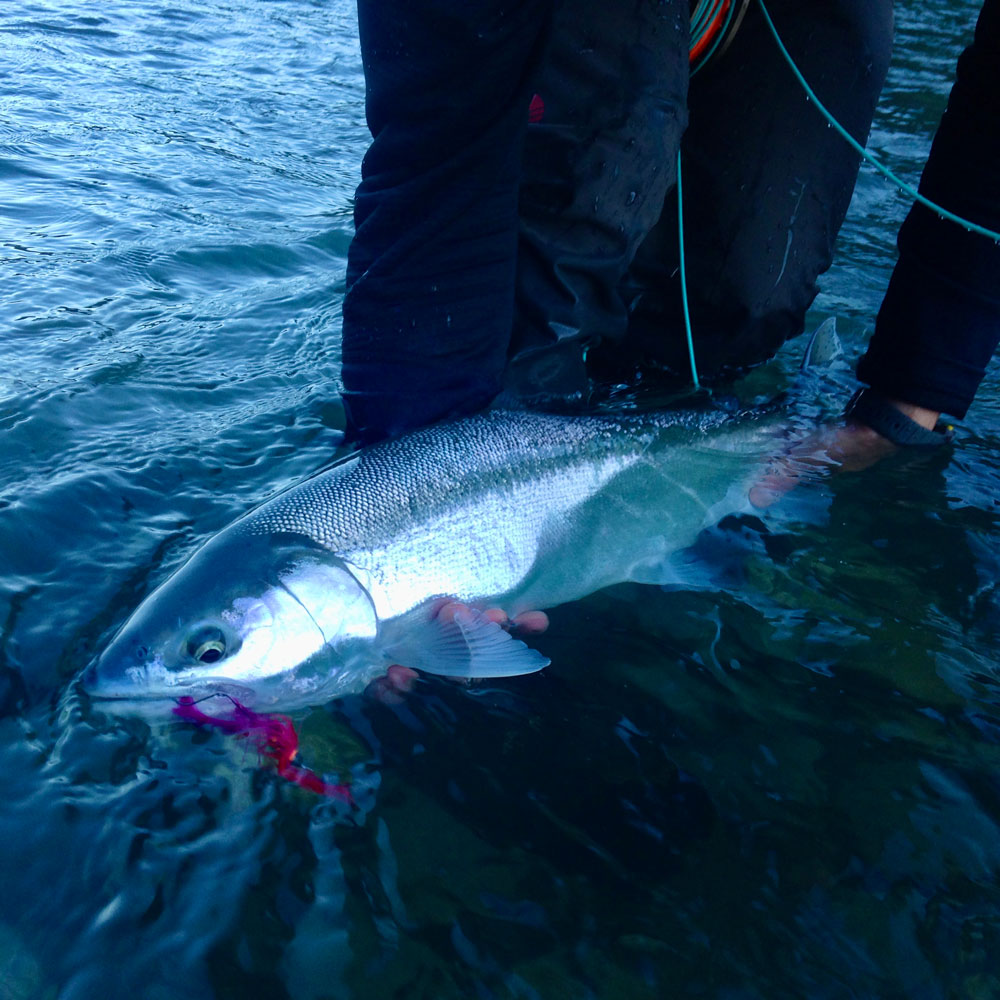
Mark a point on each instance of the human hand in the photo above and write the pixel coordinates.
(850, 447)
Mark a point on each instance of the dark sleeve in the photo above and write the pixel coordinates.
(940, 321)
(430, 273)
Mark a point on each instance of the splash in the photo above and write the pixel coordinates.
(272, 736)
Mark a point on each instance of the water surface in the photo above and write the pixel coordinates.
(781, 785)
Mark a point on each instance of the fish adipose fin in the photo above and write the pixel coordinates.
(469, 645)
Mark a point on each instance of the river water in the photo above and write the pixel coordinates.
(781, 784)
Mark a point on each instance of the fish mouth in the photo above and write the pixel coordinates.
(128, 697)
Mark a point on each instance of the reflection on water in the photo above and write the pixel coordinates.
(778, 782)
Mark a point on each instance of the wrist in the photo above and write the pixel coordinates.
(902, 423)
(927, 419)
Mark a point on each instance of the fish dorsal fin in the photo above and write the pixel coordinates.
(824, 346)
(469, 645)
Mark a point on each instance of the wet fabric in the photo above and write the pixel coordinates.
(596, 170)
(456, 177)
(767, 185)
(940, 321)
(430, 274)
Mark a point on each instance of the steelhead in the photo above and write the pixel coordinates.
(316, 592)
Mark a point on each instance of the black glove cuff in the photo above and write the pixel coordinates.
(870, 408)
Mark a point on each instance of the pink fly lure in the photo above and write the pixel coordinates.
(273, 736)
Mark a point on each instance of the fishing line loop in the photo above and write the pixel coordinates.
(972, 227)
(713, 21)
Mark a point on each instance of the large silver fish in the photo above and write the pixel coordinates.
(317, 591)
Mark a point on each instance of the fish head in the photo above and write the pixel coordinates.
(246, 613)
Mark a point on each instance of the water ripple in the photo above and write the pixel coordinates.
(777, 782)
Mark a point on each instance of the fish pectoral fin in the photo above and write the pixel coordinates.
(470, 645)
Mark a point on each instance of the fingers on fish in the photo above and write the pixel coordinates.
(531, 622)
(392, 687)
(528, 622)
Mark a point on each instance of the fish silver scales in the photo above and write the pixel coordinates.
(391, 483)
(459, 510)
(513, 510)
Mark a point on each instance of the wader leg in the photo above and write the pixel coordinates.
(430, 272)
(596, 170)
(766, 185)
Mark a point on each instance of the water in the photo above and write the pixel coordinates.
(784, 786)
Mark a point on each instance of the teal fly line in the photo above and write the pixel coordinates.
(704, 16)
(683, 274)
(972, 227)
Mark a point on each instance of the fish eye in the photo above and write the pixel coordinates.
(207, 644)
